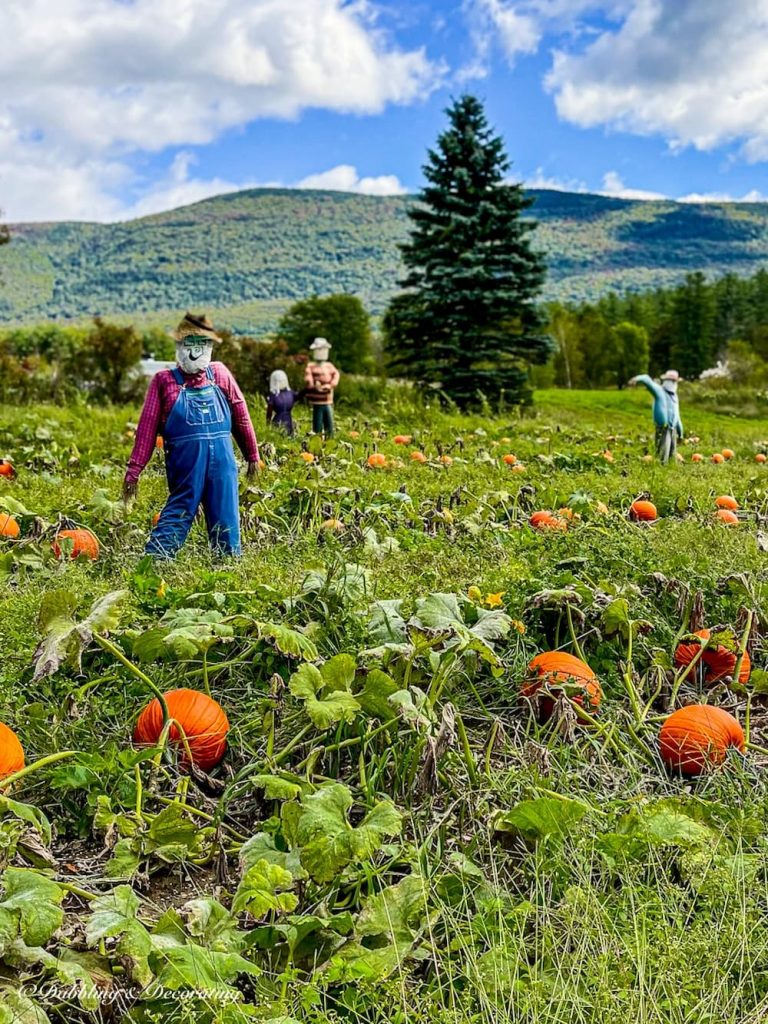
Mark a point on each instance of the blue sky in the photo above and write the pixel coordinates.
(117, 108)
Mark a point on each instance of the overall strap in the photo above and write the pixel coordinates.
(209, 372)
(177, 376)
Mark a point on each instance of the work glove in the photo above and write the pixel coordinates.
(253, 470)
(129, 489)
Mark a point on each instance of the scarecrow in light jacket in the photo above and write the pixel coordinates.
(321, 377)
(196, 408)
(666, 411)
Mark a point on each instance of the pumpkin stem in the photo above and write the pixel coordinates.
(115, 651)
(43, 762)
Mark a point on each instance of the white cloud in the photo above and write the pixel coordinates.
(540, 179)
(345, 178)
(614, 187)
(87, 85)
(502, 21)
(754, 196)
(692, 71)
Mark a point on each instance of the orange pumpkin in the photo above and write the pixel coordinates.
(698, 737)
(333, 525)
(156, 518)
(159, 442)
(418, 457)
(643, 511)
(546, 521)
(697, 457)
(509, 459)
(203, 720)
(402, 438)
(377, 460)
(728, 454)
(446, 460)
(556, 670)
(717, 458)
(307, 456)
(6, 469)
(726, 501)
(9, 527)
(11, 752)
(726, 517)
(760, 457)
(718, 662)
(83, 543)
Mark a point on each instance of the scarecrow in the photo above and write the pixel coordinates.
(321, 377)
(281, 401)
(666, 411)
(196, 408)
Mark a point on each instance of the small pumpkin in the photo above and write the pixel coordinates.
(698, 737)
(546, 521)
(377, 460)
(643, 512)
(354, 434)
(557, 670)
(518, 468)
(509, 459)
(717, 458)
(727, 502)
(159, 442)
(718, 662)
(332, 525)
(697, 457)
(761, 458)
(9, 527)
(156, 518)
(6, 469)
(608, 456)
(83, 543)
(11, 752)
(726, 517)
(418, 457)
(402, 438)
(446, 460)
(728, 454)
(203, 720)
(307, 456)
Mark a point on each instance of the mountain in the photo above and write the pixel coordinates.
(246, 255)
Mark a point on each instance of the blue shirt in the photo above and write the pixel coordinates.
(666, 408)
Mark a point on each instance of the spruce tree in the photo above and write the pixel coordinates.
(469, 320)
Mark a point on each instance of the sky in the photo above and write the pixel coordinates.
(113, 109)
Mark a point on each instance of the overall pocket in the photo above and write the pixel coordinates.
(202, 408)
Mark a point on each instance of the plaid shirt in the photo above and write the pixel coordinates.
(161, 396)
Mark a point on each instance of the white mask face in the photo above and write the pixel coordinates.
(320, 355)
(670, 386)
(194, 354)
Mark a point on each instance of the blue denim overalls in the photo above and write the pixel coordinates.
(201, 469)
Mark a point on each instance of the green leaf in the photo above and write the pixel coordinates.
(386, 623)
(262, 847)
(114, 916)
(18, 1008)
(56, 604)
(65, 640)
(197, 969)
(36, 900)
(26, 812)
(544, 816)
(323, 712)
(616, 618)
(174, 837)
(276, 788)
(338, 673)
(262, 889)
(492, 624)
(374, 696)
(327, 840)
(290, 642)
(213, 926)
(439, 612)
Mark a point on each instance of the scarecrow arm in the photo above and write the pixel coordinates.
(146, 433)
(242, 427)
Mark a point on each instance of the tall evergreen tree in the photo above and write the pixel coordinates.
(693, 316)
(5, 234)
(469, 319)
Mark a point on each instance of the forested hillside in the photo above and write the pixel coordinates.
(248, 254)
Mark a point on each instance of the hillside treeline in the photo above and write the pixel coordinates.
(689, 327)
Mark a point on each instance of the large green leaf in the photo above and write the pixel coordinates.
(36, 901)
(290, 642)
(197, 969)
(338, 673)
(262, 847)
(18, 1008)
(542, 817)
(114, 915)
(374, 696)
(386, 623)
(213, 926)
(65, 639)
(327, 841)
(325, 711)
(263, 889)
(439, 612)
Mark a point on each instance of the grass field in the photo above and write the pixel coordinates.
(394, 835)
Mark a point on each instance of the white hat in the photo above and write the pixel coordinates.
(671, 375)
(319, 343)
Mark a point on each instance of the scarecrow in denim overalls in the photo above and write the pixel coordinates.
(195, 408)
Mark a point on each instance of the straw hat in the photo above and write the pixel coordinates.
(671, 375)
(319, 343)
(197, 325)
